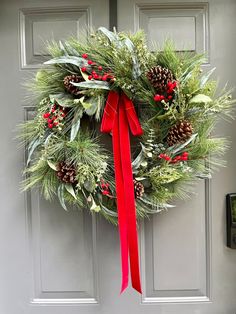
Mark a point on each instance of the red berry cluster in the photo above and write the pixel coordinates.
(169, 92)
(105, 188)
(97, 71)
(182, 157)
(54, 116)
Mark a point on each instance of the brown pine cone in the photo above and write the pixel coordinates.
(70, 87)
(138, 189)
(66, 172)
(159, 77)
(179, 133)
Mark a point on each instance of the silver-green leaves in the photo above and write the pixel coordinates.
(75, 124)
(77, 61)
(93, 84)
(200, 99)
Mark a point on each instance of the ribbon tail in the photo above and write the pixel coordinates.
(129, 197)
(119, 115)
(122, 214)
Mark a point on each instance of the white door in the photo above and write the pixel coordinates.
(54, 262)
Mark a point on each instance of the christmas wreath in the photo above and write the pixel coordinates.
(163, 97)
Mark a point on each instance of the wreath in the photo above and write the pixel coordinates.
(112, 79)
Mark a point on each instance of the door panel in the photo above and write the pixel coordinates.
(44, 24)
(185, 24)
(175, 260)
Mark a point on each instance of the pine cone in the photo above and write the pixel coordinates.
(138, 189)
(159, 77)
(66, 172)
(72, 78)
(179, 133)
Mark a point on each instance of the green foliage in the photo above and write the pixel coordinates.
(41, 175)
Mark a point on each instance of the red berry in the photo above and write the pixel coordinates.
(50, 125)
(55, 123)
(184, 157)
(63, 114)
(105, 77)
(83, 69)
(105, 192)
(54, 117)
(49, 120)
(167, 158)
(162, 97)
(96, 76)
(46, 115)
(157, 97)
(185, 154)
(100, 68)
(84, 55)
(170, 97)
(90, 77)
(90, 62)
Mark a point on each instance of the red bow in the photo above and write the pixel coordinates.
(119, 115)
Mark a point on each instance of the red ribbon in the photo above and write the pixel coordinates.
(119, 115)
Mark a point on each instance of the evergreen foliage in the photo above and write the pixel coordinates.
(64, 128)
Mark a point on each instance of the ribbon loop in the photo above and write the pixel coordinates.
(110, 112)
(133, 121)
(119, 115)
